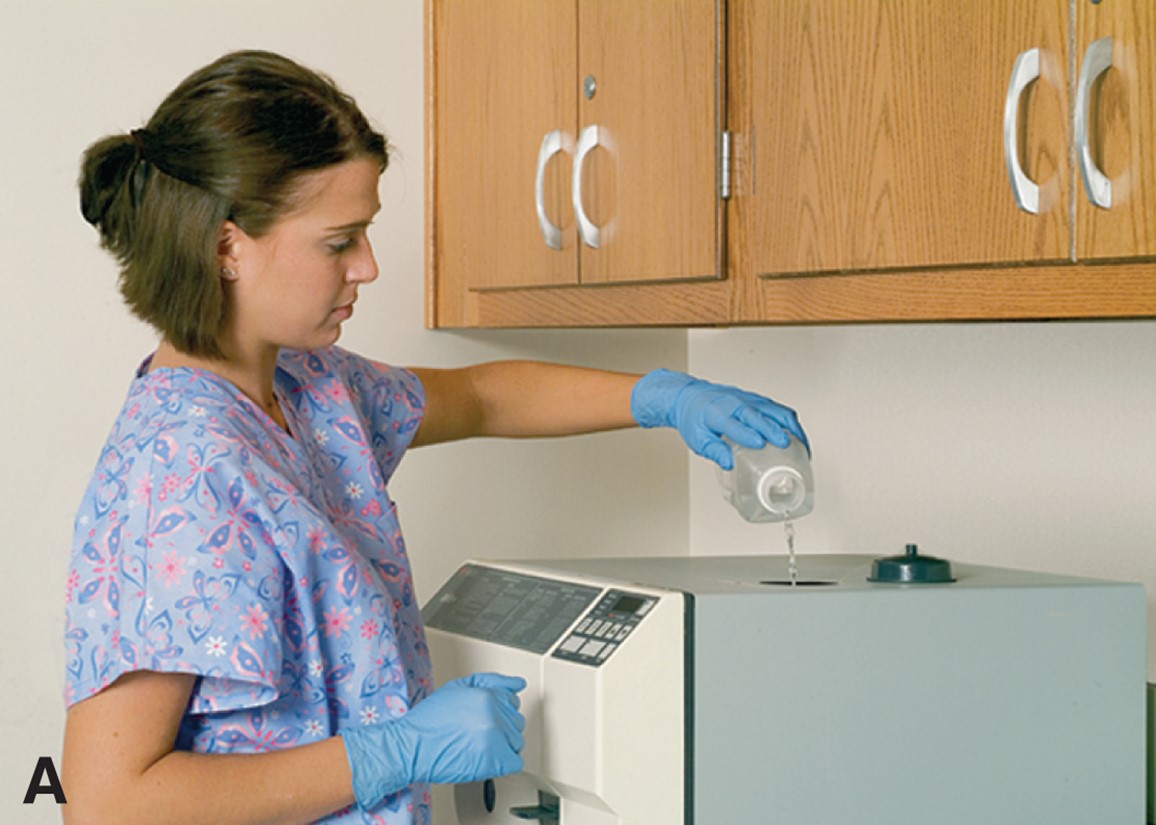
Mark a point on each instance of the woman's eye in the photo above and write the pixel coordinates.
(339, 247)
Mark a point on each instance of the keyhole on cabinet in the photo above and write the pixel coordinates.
(589, 87)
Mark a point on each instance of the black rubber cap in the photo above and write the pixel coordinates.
(911, 568)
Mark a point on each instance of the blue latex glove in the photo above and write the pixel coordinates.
(467, 730)
(703, 412)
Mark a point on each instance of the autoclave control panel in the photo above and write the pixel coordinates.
(604, 627)
(533, 613)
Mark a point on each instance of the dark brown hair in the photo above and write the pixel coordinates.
(231, 142)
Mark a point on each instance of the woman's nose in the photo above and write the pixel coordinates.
(363, 268)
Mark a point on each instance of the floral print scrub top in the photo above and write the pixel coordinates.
(210, 542)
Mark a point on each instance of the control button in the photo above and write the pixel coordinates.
(606, 653)
(623, 633)
(572, 644)
(582, 627)
(592, 648)
(595, 627)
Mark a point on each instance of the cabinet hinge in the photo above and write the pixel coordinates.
(724, 177)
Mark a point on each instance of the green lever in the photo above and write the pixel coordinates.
(544, 812)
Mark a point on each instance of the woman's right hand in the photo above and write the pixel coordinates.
(467, 730)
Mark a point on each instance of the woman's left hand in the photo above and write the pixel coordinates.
(703, 413)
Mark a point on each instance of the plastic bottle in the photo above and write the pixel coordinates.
(769, 484)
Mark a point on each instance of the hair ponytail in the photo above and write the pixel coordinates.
(105, 199)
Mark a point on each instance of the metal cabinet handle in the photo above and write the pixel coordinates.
(587, 230)
(1025, 190)
(552, 144)
(1097, 60)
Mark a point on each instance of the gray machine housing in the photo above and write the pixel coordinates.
(1005, 697)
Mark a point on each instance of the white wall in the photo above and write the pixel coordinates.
(73, 71)
(1020, 445)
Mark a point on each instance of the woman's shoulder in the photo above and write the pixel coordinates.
(178, 396)
(170, 399)
(171, 415)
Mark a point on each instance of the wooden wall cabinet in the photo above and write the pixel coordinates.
(884, 141)
(885, 161)
(573, 145)
(1121, 129)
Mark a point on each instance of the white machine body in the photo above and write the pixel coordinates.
(599, 733)
(704, 691)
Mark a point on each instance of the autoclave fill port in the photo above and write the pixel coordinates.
(796, 583)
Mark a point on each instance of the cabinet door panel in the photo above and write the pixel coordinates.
(652, 184)
(503, 81)
(871, 133)
(1121, 130)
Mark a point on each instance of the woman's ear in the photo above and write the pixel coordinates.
(229, 247)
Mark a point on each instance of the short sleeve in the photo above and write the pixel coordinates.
(390, 400)
(175, 569)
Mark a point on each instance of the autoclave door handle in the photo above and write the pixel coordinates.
(545, 813)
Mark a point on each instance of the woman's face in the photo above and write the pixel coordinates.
(294, 286)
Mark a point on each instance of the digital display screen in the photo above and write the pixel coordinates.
(627, 604)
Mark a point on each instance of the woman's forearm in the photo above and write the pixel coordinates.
(523, 399)
(119, 765)
(296, 785)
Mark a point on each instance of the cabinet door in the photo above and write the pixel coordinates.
(870, 133)
(651, 186)
(502, 80)
(1118, 124)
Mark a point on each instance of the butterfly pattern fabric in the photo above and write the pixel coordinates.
(272, 566)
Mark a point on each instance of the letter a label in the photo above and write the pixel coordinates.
(45, 781)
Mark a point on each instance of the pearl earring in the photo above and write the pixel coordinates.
(228, 273)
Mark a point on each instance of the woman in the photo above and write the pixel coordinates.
(243, 641)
